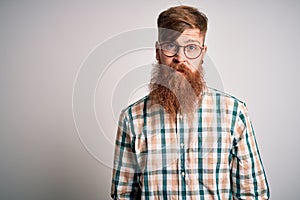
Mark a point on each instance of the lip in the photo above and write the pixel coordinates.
(180, 71)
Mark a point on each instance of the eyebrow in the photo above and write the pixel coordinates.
(191, 40)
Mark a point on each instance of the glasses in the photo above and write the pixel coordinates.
(191, 51)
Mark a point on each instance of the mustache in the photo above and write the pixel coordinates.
(184, 69)
(181, 67)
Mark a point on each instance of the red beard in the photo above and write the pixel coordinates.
(176, 88)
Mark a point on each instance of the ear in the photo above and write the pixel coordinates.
(157, 52)
(204, 50)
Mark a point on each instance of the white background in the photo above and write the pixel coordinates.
(253, 44)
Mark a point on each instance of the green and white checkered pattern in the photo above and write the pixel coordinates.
(215, 158)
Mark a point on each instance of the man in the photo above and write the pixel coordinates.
(185, 140)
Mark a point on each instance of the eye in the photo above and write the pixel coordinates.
(192, 47)
(169, 46)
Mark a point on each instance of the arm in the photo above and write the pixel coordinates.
(247, 173)
(125, 178)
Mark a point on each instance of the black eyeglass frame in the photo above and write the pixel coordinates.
(184, 49)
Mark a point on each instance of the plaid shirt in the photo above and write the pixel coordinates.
(215, 158)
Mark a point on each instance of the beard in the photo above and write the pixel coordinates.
(176, 88)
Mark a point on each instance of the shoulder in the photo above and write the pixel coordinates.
(212, 92)
(136, 108)
(229, 104)
(217, 97)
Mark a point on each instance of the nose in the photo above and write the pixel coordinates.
(179, 56)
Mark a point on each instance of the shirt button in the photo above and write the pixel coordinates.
(182, 174)
(182, 145)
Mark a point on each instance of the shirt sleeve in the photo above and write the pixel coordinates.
(247, 173)
(125, 177)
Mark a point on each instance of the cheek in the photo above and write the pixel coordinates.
(165, 60)
(195, 65)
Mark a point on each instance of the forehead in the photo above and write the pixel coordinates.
(189, 36)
